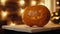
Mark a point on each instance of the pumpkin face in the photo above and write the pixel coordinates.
(36, 15)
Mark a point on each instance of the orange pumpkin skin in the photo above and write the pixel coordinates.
(36, 15)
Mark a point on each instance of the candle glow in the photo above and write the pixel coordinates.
(3, 14)
(57, 2)
(3, 2)
(12, 24)
(22, 2)
(21, 12)
(56, 13)
(33, 2)
(55, 18)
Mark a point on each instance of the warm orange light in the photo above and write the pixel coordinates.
(4, 14)
(38, 17)
(56, 17)
(3, 2)
(41, 3)
(33, 18)
(22, 2)
(12, 24)
(52, 14)
(33, 2)
(56, 13)
(21, 12)
(57, 2)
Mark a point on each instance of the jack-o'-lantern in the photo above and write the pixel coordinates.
(36, 15)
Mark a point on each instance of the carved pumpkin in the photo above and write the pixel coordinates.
(36, 15)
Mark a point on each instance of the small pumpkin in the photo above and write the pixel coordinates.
(36, 15)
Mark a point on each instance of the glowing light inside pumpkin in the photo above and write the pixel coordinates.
(22, 2)
(33, 2)
(3, 2)
(3, 14)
